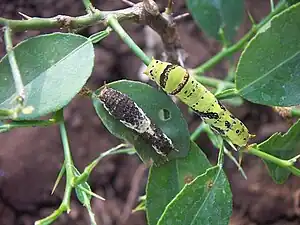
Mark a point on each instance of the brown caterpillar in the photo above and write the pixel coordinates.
(124, 109)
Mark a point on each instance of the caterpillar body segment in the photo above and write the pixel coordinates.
(175, 80)
(124, 109)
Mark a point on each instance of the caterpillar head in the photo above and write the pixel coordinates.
(155, 69)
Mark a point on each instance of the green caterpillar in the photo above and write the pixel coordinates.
(175, 80)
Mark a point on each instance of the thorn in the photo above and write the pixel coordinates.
(225, 42)
(181, 17)
(231, 145)
(25, 16)
(238, 165)
(294, 160)
(240, 158)
(251, 19)
(127, 2)
(61, 173)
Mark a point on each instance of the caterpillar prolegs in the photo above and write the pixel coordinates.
(124, 109)
(175, 80)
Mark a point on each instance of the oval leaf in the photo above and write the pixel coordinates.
(164, 183)
(53, 67)
(154, 103)
(207, 200)
(269, 69)
(284, 146)
(211, 16)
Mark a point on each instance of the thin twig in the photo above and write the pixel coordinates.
(280, 162)
(133, 194)
(272, 5)
(113, 22)
(146, 13)
(89, 8)
(88, 169)
(65, 204)
(14, 66)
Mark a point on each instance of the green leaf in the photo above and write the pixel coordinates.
(292, 2)
(207, 200)
(164, 183)
(211, 16)
(269, 69)
(155, 104)
(53, 67)
(284, 146)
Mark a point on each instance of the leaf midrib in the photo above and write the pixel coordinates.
(268, 73)
(209, 193)
(52, 65)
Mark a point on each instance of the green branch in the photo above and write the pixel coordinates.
(64, 21)
(14, 66)
(68, 162)
(89, 8)
(113, 22)
(30, 123)
(198, 131)
(214, 82)
(240, 44)
(53, 22)
(295, 112)
(65, 205)
(280, 162)
(87, 171)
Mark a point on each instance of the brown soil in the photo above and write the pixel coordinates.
(30, 158)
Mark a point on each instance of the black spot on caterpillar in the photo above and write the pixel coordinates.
(175, 80)
(227, 124)
(209, 115)
(217, 130)
(124, 109)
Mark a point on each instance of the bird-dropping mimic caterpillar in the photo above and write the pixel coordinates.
(175, 80)
(124, 109)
